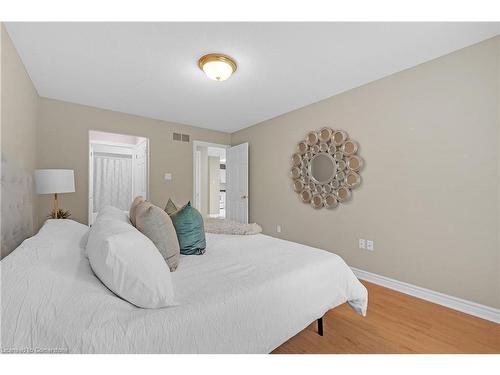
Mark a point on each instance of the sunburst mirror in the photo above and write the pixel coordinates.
(325, 168)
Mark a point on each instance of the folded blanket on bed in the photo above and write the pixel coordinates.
(225, 226)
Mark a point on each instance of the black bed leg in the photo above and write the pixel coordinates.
(320, 326)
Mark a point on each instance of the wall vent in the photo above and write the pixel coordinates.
(181, 137)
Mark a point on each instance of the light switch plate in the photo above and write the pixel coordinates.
(168, 176)
(362, 243)
(278, 228)
(370, 245)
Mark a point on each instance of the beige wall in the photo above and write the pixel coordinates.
(18, 146)
(63, 143)
(430, 192)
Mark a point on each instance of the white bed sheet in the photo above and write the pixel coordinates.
(247, 294)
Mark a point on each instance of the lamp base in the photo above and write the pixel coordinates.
(59, 214)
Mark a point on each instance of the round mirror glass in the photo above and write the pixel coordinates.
(317, 201)
(322, 168)
(330, 201)
(298, 186)
(306, 196)
(302, 147)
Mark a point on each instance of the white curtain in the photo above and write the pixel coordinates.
(112, 181)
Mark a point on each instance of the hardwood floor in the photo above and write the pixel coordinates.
(397, 323)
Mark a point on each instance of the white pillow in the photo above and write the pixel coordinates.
(129, 264)
(110, 212)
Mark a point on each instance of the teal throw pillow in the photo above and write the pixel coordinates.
(188, 224)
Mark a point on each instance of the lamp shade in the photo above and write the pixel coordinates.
(50, 181)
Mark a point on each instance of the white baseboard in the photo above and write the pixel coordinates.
(468, 307)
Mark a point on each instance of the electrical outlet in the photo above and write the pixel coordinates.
(362, 243)
(278, 228)
(370, 245)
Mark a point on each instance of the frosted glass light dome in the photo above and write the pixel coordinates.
(217, 67)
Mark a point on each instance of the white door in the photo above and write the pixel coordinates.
(237, 183)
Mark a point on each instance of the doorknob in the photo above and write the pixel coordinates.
(244, 197)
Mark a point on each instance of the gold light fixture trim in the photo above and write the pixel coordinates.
(222, 60)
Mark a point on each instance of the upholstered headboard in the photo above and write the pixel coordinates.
(17, 205)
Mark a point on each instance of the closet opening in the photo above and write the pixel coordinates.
(118, 170)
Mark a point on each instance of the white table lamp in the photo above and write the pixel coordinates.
(54, 181)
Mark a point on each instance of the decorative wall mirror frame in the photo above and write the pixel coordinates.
(325, 168)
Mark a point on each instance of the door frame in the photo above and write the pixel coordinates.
(206, 144)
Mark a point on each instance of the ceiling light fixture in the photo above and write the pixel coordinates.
(217, 66)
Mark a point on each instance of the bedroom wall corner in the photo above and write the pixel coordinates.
(19, 104)
(430, 196)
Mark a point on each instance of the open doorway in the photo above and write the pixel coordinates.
(209, 193)
(220, 180)
(118, 170)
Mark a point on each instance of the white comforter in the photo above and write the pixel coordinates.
(247, 294)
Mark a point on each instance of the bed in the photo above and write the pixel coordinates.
(246, 294)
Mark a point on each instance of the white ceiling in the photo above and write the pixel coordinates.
(150, 69)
